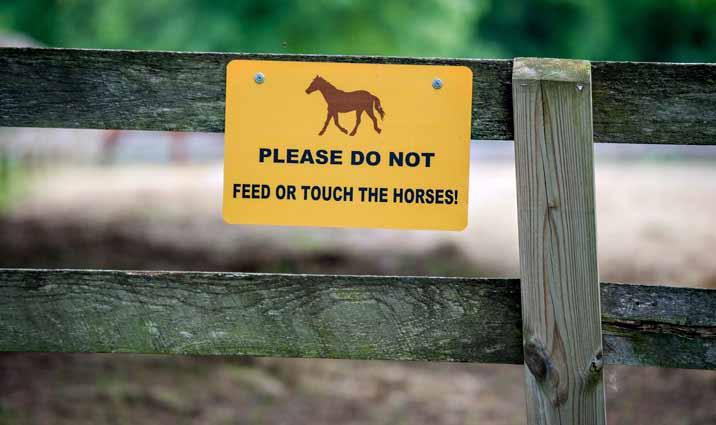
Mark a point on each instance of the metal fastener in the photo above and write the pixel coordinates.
(580, 87)
(437, 84)
(259, 78)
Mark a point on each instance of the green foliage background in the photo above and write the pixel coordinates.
(654, 30)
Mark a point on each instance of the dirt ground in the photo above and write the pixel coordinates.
(655, 223)
(138, 389)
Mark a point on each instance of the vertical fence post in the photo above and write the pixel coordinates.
(558, 244)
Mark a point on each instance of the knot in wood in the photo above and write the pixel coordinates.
(537, 360)
(594, 373)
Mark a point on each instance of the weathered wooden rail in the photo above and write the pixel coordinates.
(347, 317)
(71, 88)
(558, 320)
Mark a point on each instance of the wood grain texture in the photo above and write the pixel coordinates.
(260, 315)
(677, 324)
(397, 318)
(637, 102)
(178, 91)
(633, 102)
(558, 242)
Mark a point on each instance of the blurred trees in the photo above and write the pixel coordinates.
(673, 30)
(647, 30)
(437, 27)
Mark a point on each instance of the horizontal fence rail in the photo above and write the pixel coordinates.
(658, 103)
(351, 317)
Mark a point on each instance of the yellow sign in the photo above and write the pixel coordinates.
(347, 145)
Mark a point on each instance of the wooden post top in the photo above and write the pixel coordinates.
(578, 71)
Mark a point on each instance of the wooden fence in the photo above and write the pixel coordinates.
(559, 320)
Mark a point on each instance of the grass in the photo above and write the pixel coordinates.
(13, 180)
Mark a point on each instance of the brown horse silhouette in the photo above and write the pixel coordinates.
(342, 101)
